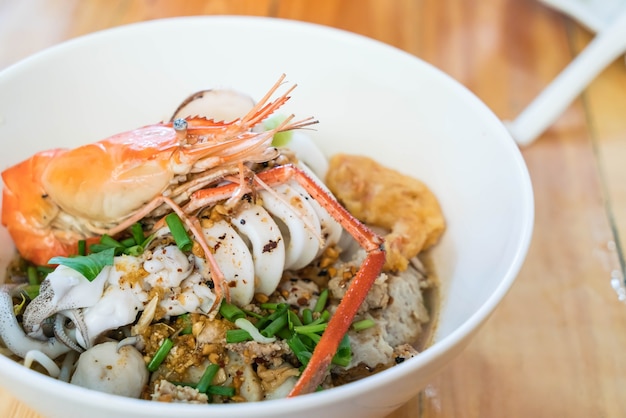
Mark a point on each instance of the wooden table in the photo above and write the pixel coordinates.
(556, 345)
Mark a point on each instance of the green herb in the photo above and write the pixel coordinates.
(128, 242)
(231, 312)
(314, 338)
(276, 325)
(160, 354)
(185, 320)
(253, 314)
(179, 232)
(307, 316)
(226, 391)
(293, 319)
(135, 250)
(31, 291)
(280, 139)
(207, 378)
(280, 309)
(82, 247)
(88, 265)
(36, 274)
(133, 245)
(284, 333)
(363, 324)
(300, 350)
(137, 232)
(321, 301)
(237, 335)
(221, 390)
(109, 242)
(302, 334)
(98, 248)
(344, 353)
(33, 275)
(325, 316)
(45, 270)
(311, 328)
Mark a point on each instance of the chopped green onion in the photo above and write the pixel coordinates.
(221, 391)
(88, 265)
(33, 275)
(128, 242)
(179, 232)
(82, 247)
(207, 377)
(31, 291)
(293, 319)
(315, 338)
(110, 242)
(186, 322)
(363, 324)
(252, 314)
(231, 312)
(226, 391)
(285, 333)
(325, 316)
(307, 316)
(344, 352)
(270, 306)
(98, 248)
(308, 341)
(281, 308)
(237, 335)
(136, 231)
(45, 270)
(135, 250)
(321, 301)
(322, 319)
(160, 354)
(310, 329)
(275, 326)
(299, 349)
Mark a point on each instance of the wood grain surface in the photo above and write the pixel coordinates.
(555, 347)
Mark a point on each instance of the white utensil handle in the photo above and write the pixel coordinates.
(552, 101)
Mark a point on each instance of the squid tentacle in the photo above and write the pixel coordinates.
(17, 341)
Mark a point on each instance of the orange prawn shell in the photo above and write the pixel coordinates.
(27, 210)
(77, 181)
(95, 181)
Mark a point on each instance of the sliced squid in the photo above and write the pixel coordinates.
(267, 243)
(331, 230)
(303, 232)
(235, 261)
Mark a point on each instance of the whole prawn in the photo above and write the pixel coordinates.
(58, 197)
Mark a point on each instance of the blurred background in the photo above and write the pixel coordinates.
(555, 345)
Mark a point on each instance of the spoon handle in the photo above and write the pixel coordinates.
(554, 99)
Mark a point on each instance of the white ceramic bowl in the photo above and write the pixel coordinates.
(370, 99)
